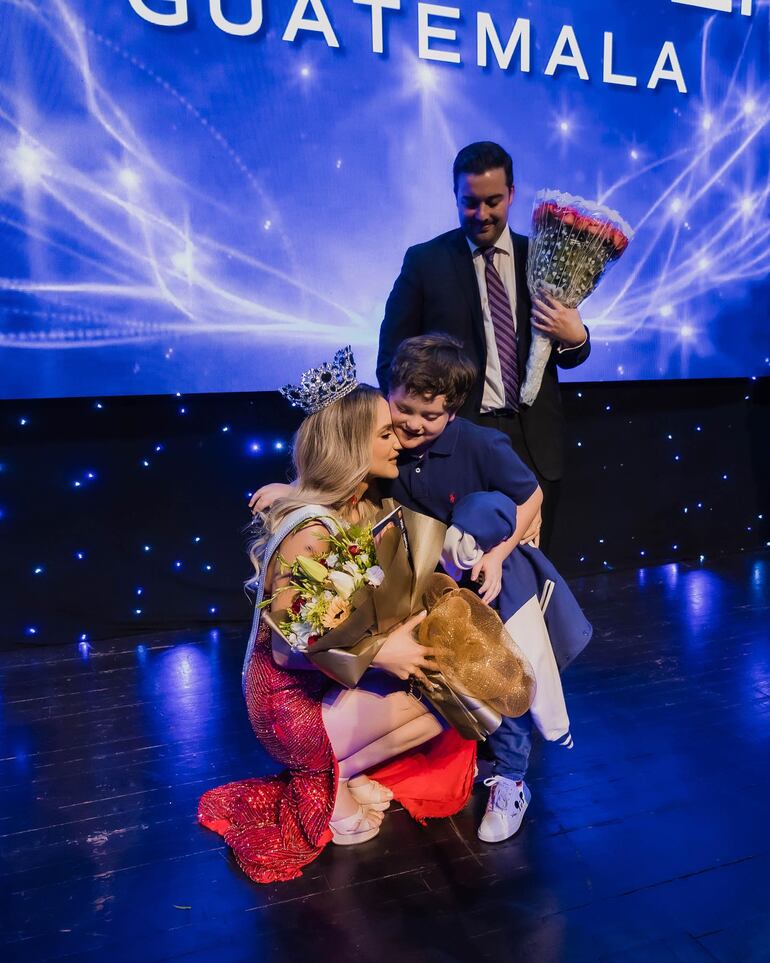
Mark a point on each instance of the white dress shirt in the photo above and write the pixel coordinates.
(494, 392)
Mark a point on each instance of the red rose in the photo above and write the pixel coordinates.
(297, 604)
(620, 240)
(312, 639)
(599, 229)
(543, 212)
(354, 550)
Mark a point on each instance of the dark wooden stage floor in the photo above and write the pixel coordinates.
(649, 841)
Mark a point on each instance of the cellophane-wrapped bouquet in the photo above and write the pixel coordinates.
(326, 585)
(571, 245)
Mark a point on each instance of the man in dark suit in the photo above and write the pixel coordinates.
(471, 283)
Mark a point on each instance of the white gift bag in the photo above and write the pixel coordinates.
(528, 629)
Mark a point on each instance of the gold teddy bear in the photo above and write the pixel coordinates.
(473, 650)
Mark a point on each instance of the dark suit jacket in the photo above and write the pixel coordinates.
(437, 290)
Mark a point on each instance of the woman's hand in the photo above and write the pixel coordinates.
(402, 655)
(489, 571)
(264, 497)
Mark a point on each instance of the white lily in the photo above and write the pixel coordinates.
(344, 584)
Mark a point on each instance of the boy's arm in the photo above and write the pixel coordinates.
(506, 473)
(525, 516)
(264, 497)
(532, 535)
(503, 470)
(490, 567)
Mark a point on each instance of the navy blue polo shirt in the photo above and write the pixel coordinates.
(465, 458)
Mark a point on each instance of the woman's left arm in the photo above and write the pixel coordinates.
(310, 541)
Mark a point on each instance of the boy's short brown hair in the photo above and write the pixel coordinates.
(431, 365)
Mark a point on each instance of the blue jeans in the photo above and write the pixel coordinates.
(511, 745)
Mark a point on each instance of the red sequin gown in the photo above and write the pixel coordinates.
(278, 824)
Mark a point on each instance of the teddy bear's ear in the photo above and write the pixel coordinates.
(431, 631)
(477, 606)
(437, 586)
(456, 608)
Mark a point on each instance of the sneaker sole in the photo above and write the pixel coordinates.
(527, 797)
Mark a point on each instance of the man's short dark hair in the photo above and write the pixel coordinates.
(481, 157)
(433, 364)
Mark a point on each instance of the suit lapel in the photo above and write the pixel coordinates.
(462, 260)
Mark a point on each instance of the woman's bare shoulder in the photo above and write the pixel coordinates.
(311, 539)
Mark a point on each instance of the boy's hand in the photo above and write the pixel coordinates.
(532, 534)
(489, 570)
(264, 497)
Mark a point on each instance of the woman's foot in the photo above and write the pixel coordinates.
(369, 793)
(362, 826)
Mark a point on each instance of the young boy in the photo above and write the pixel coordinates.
(444, 459)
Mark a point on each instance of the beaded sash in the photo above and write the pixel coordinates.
(287, 526)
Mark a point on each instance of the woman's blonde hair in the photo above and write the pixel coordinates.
(332, 455)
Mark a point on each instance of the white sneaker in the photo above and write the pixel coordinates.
(507, 803)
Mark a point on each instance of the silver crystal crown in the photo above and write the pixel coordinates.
(321, 386)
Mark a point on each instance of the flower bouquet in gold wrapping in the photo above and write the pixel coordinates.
(349, 596)
(571, 244)
(328, 585)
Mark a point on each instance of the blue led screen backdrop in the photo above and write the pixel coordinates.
(209, 195)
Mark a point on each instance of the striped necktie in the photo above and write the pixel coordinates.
(505, 332)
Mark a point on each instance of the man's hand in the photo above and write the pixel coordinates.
(532, 534)
(560, 324)
(489, 569)
(264, 497)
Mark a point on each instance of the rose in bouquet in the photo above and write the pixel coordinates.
(571, 245)
(326, 585)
